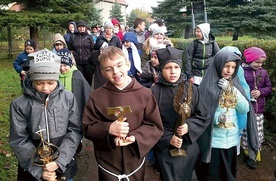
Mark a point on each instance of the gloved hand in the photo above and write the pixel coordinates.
(223, 83)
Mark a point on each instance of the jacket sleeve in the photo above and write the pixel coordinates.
(216, 48)
(267, 88)
(20, 141)
(17, 63)
(72, 137)
(189, 58)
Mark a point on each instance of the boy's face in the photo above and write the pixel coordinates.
(228, 70)
(45, 86)
(198, 34)
(171, 72)
(64, 68)
(127, 44)
(81, 29)
(142, 26)
(154, 60)
(257, 63)
(29, 49)
(115, 71)
(59, 46)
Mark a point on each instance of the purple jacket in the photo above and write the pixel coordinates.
(263, 85)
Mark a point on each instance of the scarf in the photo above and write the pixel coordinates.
(136, 56)
(66, 79)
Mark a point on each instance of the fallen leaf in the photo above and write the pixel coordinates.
(7, 166)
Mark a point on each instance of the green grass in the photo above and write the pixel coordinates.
(9, 90)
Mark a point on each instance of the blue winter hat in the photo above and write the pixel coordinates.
(130, 37)
(65, 56)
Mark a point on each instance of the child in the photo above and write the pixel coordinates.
(200, 53)
(169, 82)
(45, 105)
(150, 71)
(260, 87)
(131, 52)
(21, 64)
(121, 145)
(223, 92)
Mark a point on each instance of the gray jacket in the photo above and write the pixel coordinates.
(27, 115)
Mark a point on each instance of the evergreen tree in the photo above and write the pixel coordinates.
(137, 13)
(93, 14)
(116, 12)
(44, 14)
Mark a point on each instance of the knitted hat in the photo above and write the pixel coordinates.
(31, 43)
(115, 21)
(108, 24)
(65, 56)
(81, 23)
(169, 54)
(44, 65)
(253, 53)
(158, 30)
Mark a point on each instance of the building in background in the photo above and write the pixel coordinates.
(106, 6)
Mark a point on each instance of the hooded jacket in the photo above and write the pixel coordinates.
(69, 33)
(200, 53)
(27, 116)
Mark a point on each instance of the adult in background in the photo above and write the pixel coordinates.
(108, 36)
(82, 46)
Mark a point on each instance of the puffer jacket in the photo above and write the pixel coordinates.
(27, 116)
(263, 85)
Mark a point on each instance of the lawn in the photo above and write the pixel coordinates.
(9, 90)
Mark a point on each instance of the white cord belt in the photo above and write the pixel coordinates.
(120, 177)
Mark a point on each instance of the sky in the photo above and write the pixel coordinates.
(147, 4)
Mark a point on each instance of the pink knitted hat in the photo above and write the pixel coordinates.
(253, 53)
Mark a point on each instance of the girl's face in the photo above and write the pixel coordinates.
(159, 37)
(59, 46)
(171, 72)
(116, 71)
(45, 86)
(228, 70)
(154, 60)
(257, 63)
(29, 49)
(64, 68)
(108, 30)
(71, 28)
(198, 34)
(127, 44)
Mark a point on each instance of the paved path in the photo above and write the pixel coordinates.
(265, 171)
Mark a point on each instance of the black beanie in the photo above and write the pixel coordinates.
(169, 54)
(65, 56)
(81, 23)
(31, 43)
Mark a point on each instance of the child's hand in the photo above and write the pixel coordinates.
(52, 166)
(118, 128)
(49, 176)
(23, 72)
(124, 142)
(176, 142)
(255, 94)
(181, 130)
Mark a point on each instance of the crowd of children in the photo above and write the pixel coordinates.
(143, 102)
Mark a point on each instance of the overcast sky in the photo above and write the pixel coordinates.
(147, 4)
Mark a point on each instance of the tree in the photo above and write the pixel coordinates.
(46, 14)
(242, 16)
(93, 14)
(116, 12)
(137, 13)
(168, 10)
